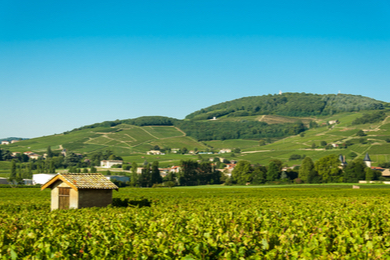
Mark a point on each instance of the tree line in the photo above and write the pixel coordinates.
(327, 169)
(374, 117)
(204, 131)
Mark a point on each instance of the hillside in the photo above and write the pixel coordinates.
(259, 137)
(289, 104)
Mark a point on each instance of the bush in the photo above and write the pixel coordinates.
(126, 167)
(295, 157)
(118, 202)
(297, 181)
(360, 133)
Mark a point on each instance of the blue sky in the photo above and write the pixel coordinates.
(65, 64)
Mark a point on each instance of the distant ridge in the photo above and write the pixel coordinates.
(13, 138)
(289, 104)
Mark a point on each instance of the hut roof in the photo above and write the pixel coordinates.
(95, 181)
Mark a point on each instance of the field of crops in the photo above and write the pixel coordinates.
(290, 222)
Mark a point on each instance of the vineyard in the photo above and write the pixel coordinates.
(294, 222)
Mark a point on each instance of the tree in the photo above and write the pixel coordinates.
(328, 168)
(273, 172)
(352, 155)
(71, 159)
(49, 152)
(12, 175)
(188, 173)
(307, 172)
(134, 175)
(313, 145)
(242, 172)
(156, 147)
(51, 169)
(184, 150)
(369, 174)
(93, 169)
(259, 175)
(323, 143)
(145, 177)
(360, 133)
(155, 176)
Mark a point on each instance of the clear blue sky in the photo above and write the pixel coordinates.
(65, 64)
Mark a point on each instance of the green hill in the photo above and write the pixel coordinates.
(289, 104)
(259, 137)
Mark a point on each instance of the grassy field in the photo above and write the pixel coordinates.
(207, 222)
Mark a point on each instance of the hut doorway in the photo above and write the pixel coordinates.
(63, 196)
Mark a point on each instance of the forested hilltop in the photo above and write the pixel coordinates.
(289, 104)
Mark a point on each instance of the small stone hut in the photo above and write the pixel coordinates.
(79, 190)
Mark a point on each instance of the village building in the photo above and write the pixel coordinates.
(80, 190)
(225, 151)
(367, 160)
(343, 162)
(155, 152)
(3, 180)
(14, 141)
(110, 163)
(34, 156)
(385, 172)
(175, 150)
(332, 122)
(175, 169)
(5, 142)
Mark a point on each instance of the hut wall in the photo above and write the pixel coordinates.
(54, 197)
(94, 198)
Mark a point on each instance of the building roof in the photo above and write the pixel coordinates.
(367, 158)
(76, 181)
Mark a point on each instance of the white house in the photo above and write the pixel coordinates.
(4, 142)
(34, 156)
(110, 163)
(225, 151)
(42, 178)
(14, 141)
(154, 152)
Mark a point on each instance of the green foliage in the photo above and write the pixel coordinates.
(296, 157)
(155, 175)
(242, 173)
(288, 104)
(307, 172)
(140, 121)
(374, 117)
(296, 222)
(237, 130)
(273, 172)
(328, 168)
(193, 173)
(360, 133)
(355, 171)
